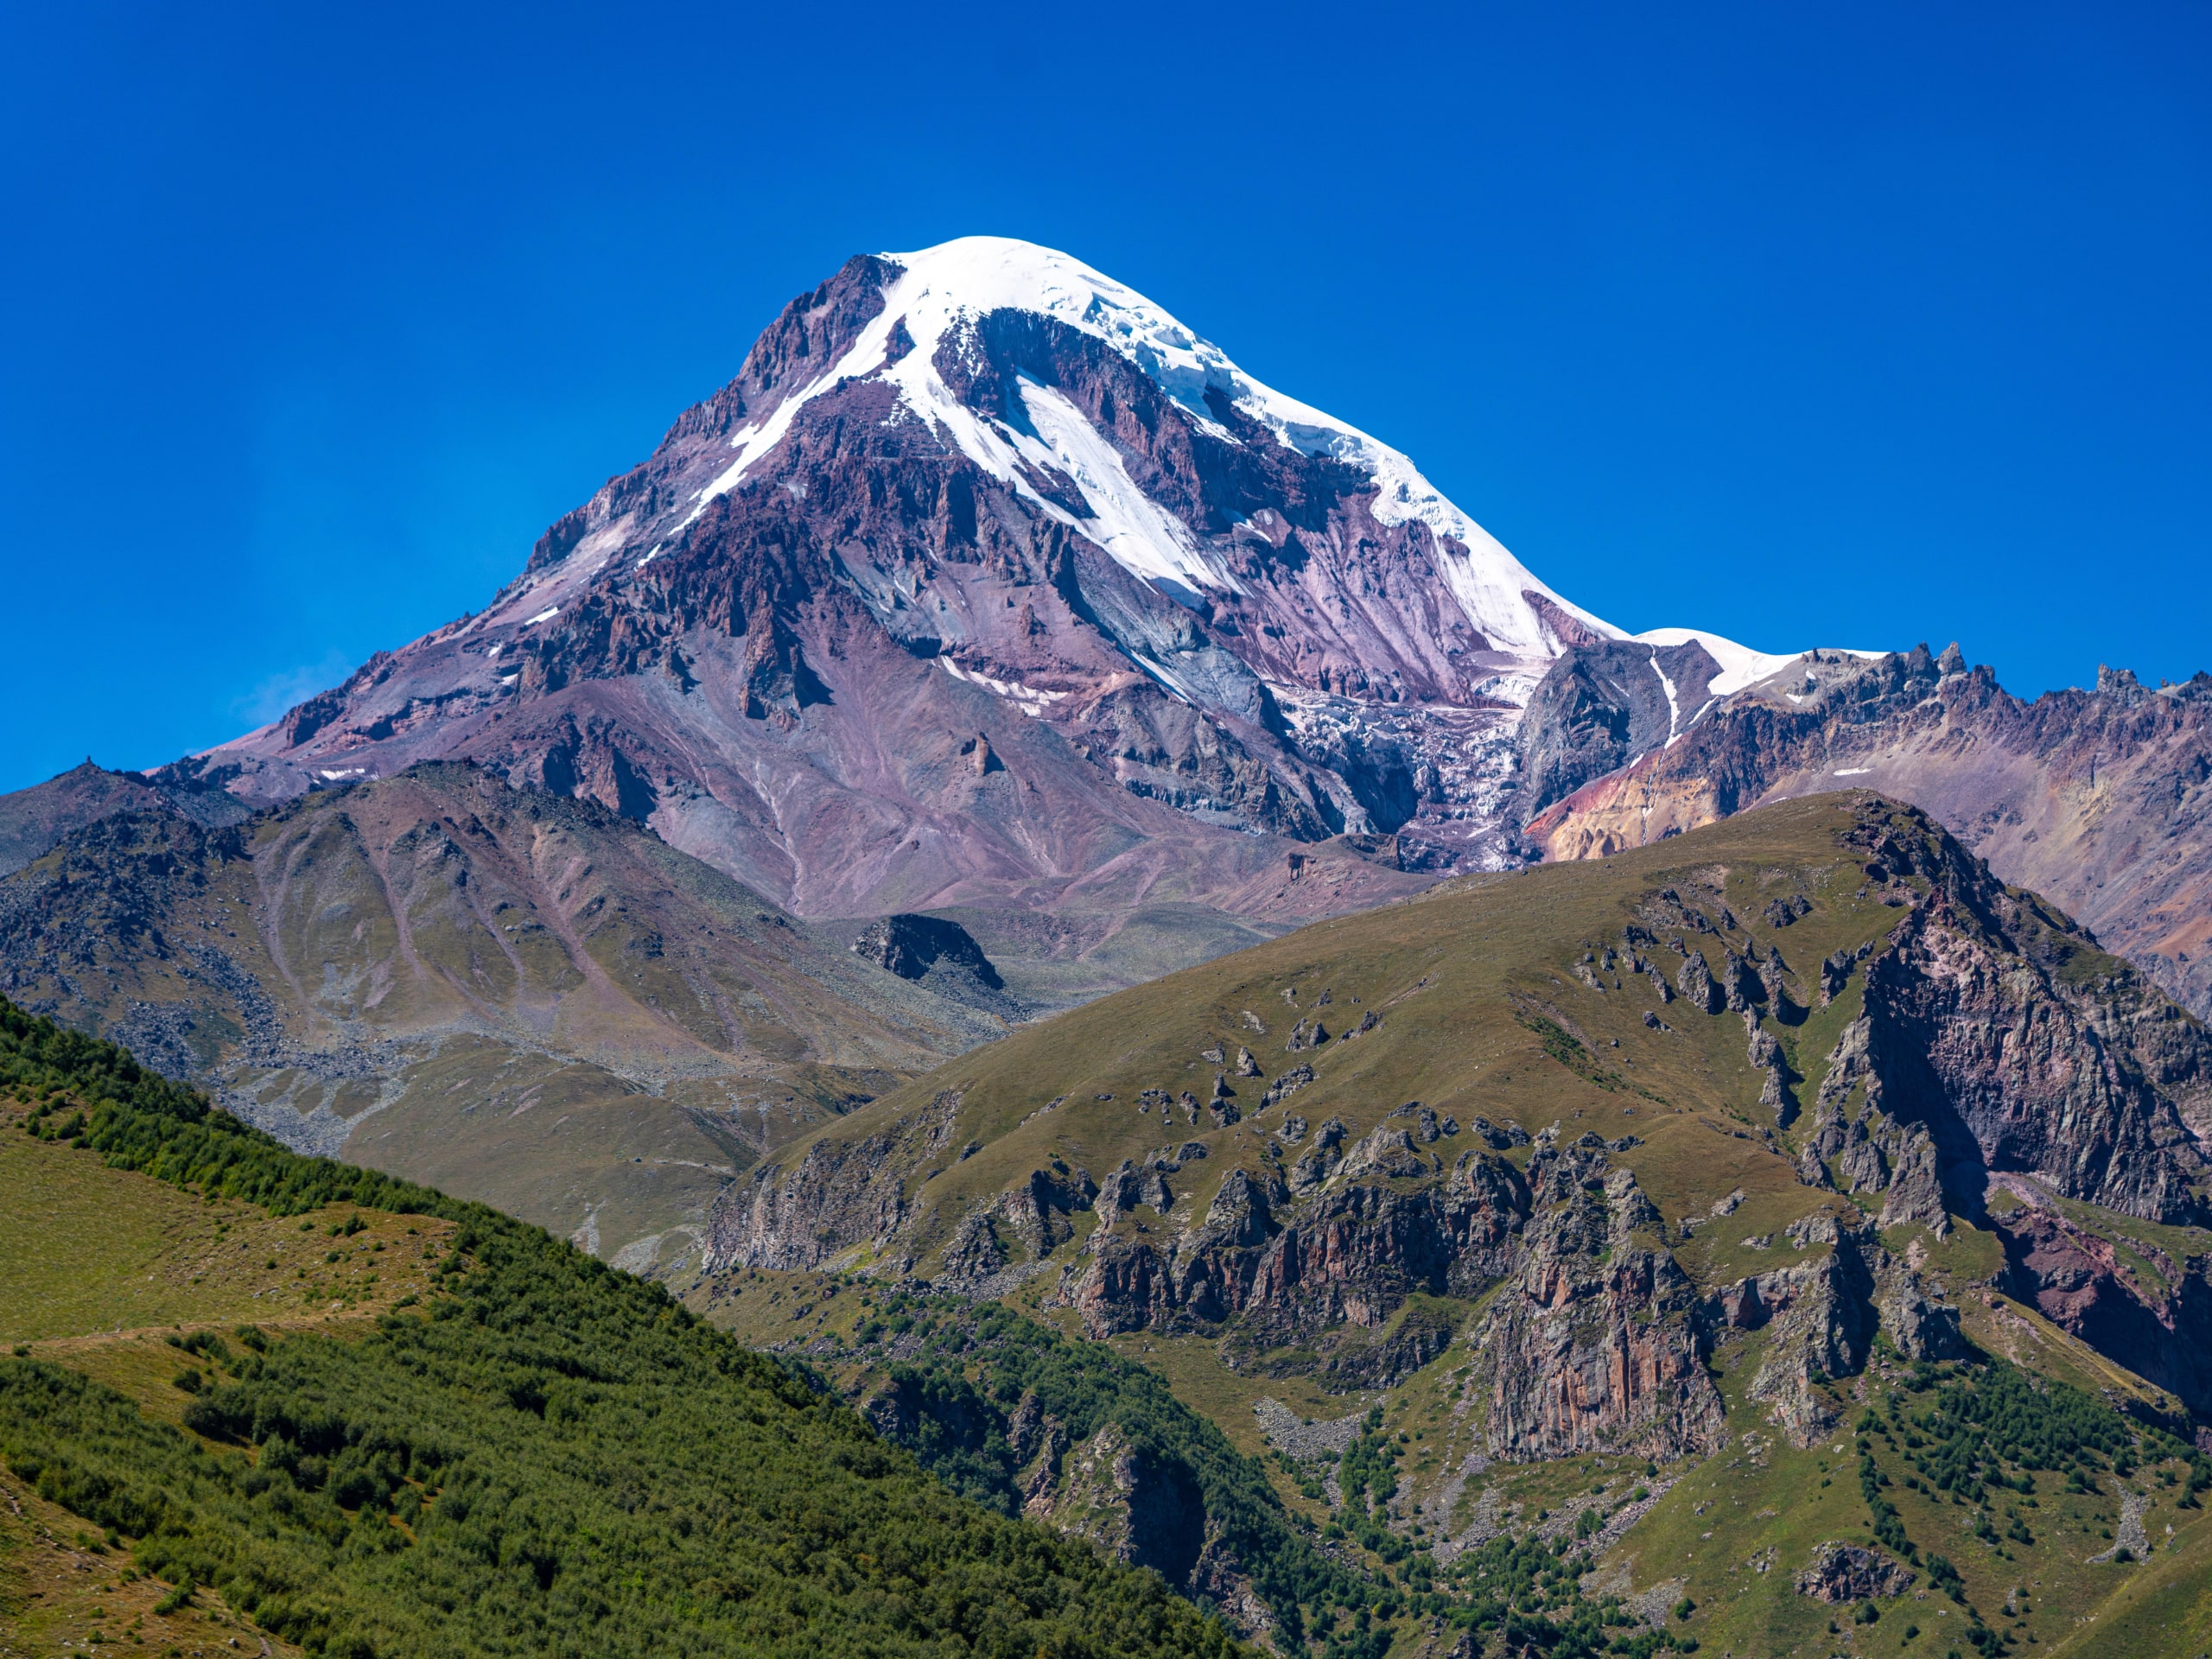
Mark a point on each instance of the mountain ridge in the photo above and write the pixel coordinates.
(986, 588)
(524, 995)
(1608, 1201)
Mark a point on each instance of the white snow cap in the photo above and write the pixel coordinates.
(937, 289)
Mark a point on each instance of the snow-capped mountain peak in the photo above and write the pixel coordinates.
(940, 292)
(984, 575)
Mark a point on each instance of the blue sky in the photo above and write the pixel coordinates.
(1855, 324)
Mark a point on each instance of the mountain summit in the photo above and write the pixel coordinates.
(988, 585)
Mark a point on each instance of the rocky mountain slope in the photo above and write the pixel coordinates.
(988, 588)
(2097, 799)
(32, 820)
(1652, 1171)
(521, 995)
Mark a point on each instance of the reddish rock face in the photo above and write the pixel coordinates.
(2153, 1314)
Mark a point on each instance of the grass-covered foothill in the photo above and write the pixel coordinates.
(545, 1457)
(1981, 1433)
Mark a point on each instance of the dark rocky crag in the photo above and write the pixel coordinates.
(1602, 705)
(32, 820)
(1996, 1037)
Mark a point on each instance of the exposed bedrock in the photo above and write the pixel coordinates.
(1350, 1254)
(1823, 1311)
(840, 1195)
(2152, 1313)
(1602, 705)
(1594, 1344)
(1996, 1036)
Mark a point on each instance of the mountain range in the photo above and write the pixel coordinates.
(1081, 904)
(988, 590)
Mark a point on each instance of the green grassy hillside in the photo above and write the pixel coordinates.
(1510, 1012)
(524, 1453)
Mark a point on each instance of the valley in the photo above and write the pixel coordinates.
(1658, 1253)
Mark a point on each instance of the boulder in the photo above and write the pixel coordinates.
(1840, 1573)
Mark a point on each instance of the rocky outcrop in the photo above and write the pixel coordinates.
(2004, 1032)
(1868, 1150)
(1996, 1036)
(2100, 799)
(33, 821)
(840, 1196)
(1821, 1315)
(1593, 1345)
(1132, 1504)
(1841, 1573)
(975, 1257)
(1698, 989)
(1602, 704)
(1038, 1210)
(1289, 1271)
(2124, 1296)
(911, 946)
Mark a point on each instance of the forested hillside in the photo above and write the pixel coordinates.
(541, 1456)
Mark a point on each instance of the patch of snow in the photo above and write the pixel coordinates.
(545, 615)
(1030, 699)
(1674, 709)
(1739, 664)
(1851, 772)
(941, 291)
(1143, 536)
(978, 273)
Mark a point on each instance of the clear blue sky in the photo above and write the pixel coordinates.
(1858, 324)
